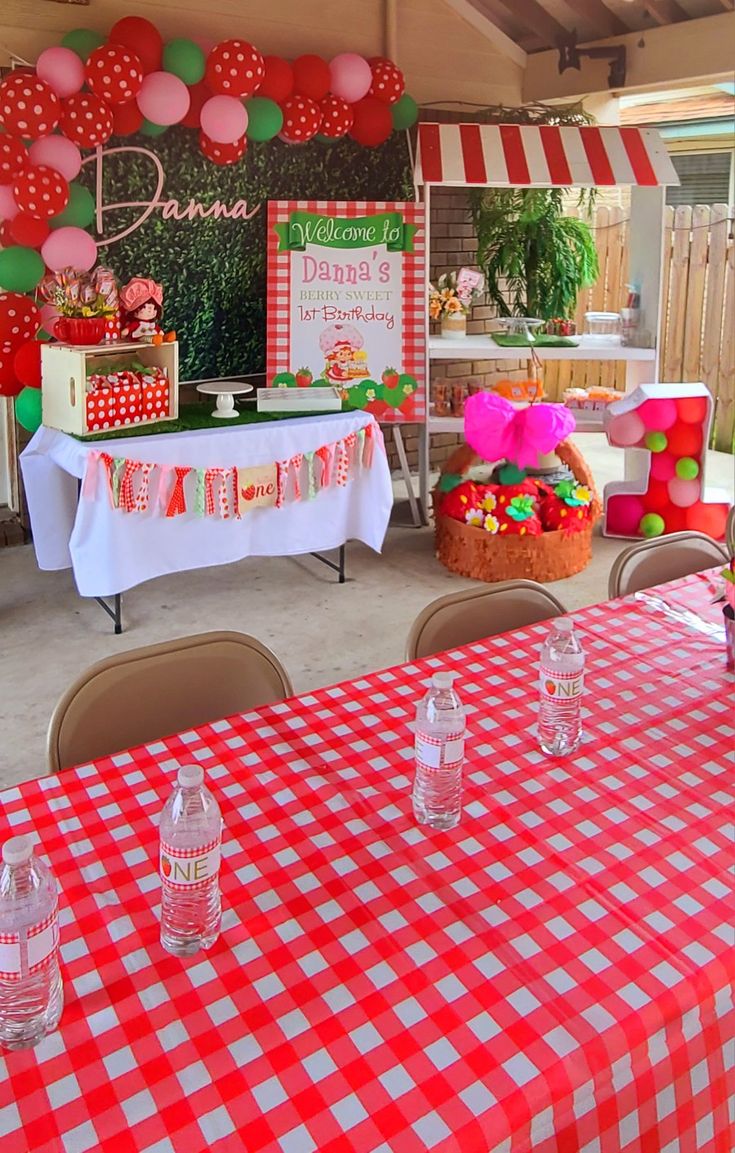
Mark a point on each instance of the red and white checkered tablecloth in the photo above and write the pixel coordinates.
(555, 975)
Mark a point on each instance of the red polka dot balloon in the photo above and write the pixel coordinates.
(86, 120)
(302, 119)
(336, 117)
(234, 68)
(28, 106)
(41, 192)
(114, 73)
(222, 154)
(388, 83)
(13, 158)
(19, 319)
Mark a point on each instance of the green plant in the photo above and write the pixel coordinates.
(536, 259)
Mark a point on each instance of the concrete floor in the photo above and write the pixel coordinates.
(321, 631)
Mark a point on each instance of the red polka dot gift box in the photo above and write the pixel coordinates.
(92, 389)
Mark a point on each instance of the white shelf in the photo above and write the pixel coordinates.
(484, 348)
(455, 424)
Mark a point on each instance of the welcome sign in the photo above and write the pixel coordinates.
(346, 302)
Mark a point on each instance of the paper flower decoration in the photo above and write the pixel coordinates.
(491, 524)
(496, 430)
(475, 516)
(520, 508)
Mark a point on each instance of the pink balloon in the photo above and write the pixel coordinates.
(658, 415)
(69, 247)
(223, 119)
(59, 153)
(626, 429)
(163, 98)
(61, 69)
(684, 493)
(350, 77)
(663, 465)
(49, 316)
(623, 515)
(8, 208)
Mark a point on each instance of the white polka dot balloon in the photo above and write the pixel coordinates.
(302, 120)
(234, 68)
(28, 106)
(114, 73)
(41, 192)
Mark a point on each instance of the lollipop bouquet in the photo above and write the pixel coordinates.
(86, 303)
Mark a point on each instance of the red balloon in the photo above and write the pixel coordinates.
(86, 120)
(6, 236)
(684, 440)
(19, 318)
(373, 123)
(28, 231)
(676, 519)
(337, 116)
(198, 96)
(114, 73)
(234, 68)
(126, 119)
(13, 158)
(277, 83)
(41, 192)
(692, 409)
(388, 83)
(222, 154)
(142, 38)
(28, 106)
(708, 518)
(311, 77)
(302, 120)
(657, 498)
(27, 363)
(9, 383)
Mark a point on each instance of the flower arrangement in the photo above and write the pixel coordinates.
(81, 294)
(455, 293)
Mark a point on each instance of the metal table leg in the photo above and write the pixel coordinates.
(338, 568)
(114, 611)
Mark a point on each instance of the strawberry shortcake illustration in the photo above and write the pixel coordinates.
(345, 359)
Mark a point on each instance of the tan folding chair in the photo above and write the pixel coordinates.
(652, 562)
(151, 692)
(475, 613)
(730, 531)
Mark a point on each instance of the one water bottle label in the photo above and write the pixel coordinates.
(43, 940)
(558, 686)
(429, 750)
(189, 868)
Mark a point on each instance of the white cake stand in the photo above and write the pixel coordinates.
(225, 391)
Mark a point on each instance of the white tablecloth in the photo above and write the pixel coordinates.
(111, 550)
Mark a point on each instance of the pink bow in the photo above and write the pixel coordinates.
(496, 430)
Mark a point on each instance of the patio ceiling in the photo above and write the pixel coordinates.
(538, 25)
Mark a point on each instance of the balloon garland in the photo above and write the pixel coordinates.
(89, 88)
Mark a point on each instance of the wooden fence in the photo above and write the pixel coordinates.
(697, 332)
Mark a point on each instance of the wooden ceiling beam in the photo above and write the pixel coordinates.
(534, 19)
(477, 17)
(605, 22)
(665, 11)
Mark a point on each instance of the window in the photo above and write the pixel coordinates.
(704, 176)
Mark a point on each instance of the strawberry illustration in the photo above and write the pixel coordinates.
(390, 378)
(165, 866)
(304, 377)
(249, 492)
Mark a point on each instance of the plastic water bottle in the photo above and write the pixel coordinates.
(191, 833)
(439, 743)
(561, 686)
(31, 993)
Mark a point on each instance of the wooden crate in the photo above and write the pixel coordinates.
(66, 367)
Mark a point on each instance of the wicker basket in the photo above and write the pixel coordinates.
(472, 552)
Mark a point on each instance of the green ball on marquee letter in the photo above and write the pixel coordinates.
(28, 409)
(20, 268)
(83, 41)
(656, 441)
(652, 524)
(687, 468)
(405, 112)
(265, 119)
(79, 211)
(185, 59)
(149, 129)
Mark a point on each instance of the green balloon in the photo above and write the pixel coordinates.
(147, 128)
(28, 408)
(80, 210)
(265, 119)
(652, 524)
(185, 59)
(20, 269)
(656, 441)
(404, 112)
(83, 41)
(687, 468)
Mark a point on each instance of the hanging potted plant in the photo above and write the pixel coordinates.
(536, 258)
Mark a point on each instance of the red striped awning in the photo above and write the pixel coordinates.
(541, 156)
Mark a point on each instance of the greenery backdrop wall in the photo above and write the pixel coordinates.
(213, 270)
